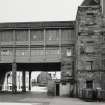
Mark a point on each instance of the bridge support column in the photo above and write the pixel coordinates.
(14, 86)
(2, 78)
(29, 80)
(23, 81)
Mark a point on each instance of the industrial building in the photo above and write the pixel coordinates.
(36, 46)
(76, 48)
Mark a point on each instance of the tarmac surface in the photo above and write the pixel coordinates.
(37, 98)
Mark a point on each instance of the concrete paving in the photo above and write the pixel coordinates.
(31, 98)
(38, 89)
(73, 101)
(18, 104)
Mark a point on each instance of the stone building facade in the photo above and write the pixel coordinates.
(90, 46)
(76, 48)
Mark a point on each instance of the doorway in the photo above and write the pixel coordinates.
(57, 89)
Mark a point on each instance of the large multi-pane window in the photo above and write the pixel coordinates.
(37, 51)
(52, 35)
(22, 52)
(6, 52)
(52, 51)
(21, 35)
(6, 36)
(36, 35)
(67, 34)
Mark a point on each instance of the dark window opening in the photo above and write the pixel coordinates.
(103, 63)
(89, 84)
(82, 50)
(90, 42)
(90, 65)
(91, 33)
(90, 14)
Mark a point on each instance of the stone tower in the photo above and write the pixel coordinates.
(90, 46)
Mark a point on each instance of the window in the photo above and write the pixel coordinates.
(21, 35)
(90, 42)
(52, 35)
(36, 35)
(37, 51)
(90, 14)
(103, 63)
(90, 33)
(22, 52)
(67, 34)
(89, 84)
(82, 50)
(6, 52)
(89, 49)
(89, 65)
(6, 36)
(82, 47)
(69, 52)
(52, 51)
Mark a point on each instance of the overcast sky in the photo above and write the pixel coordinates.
(38, 10)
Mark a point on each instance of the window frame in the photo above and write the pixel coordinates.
(36, 33)
(40, 51)
(89, 85)
(68, 36)
(22, 50)
(7, 52)
(20, 37)
(4, 37)
(55, 35)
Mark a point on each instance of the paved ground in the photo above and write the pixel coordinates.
(31, 98)
(38, 89)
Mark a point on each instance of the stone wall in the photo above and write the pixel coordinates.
(65, 89)
(89, 25)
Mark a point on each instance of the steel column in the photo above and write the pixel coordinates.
(29, 80)
(44, 44)
(23, 81)
(14, 66)
(14, 86)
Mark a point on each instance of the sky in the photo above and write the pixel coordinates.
(38, 10)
